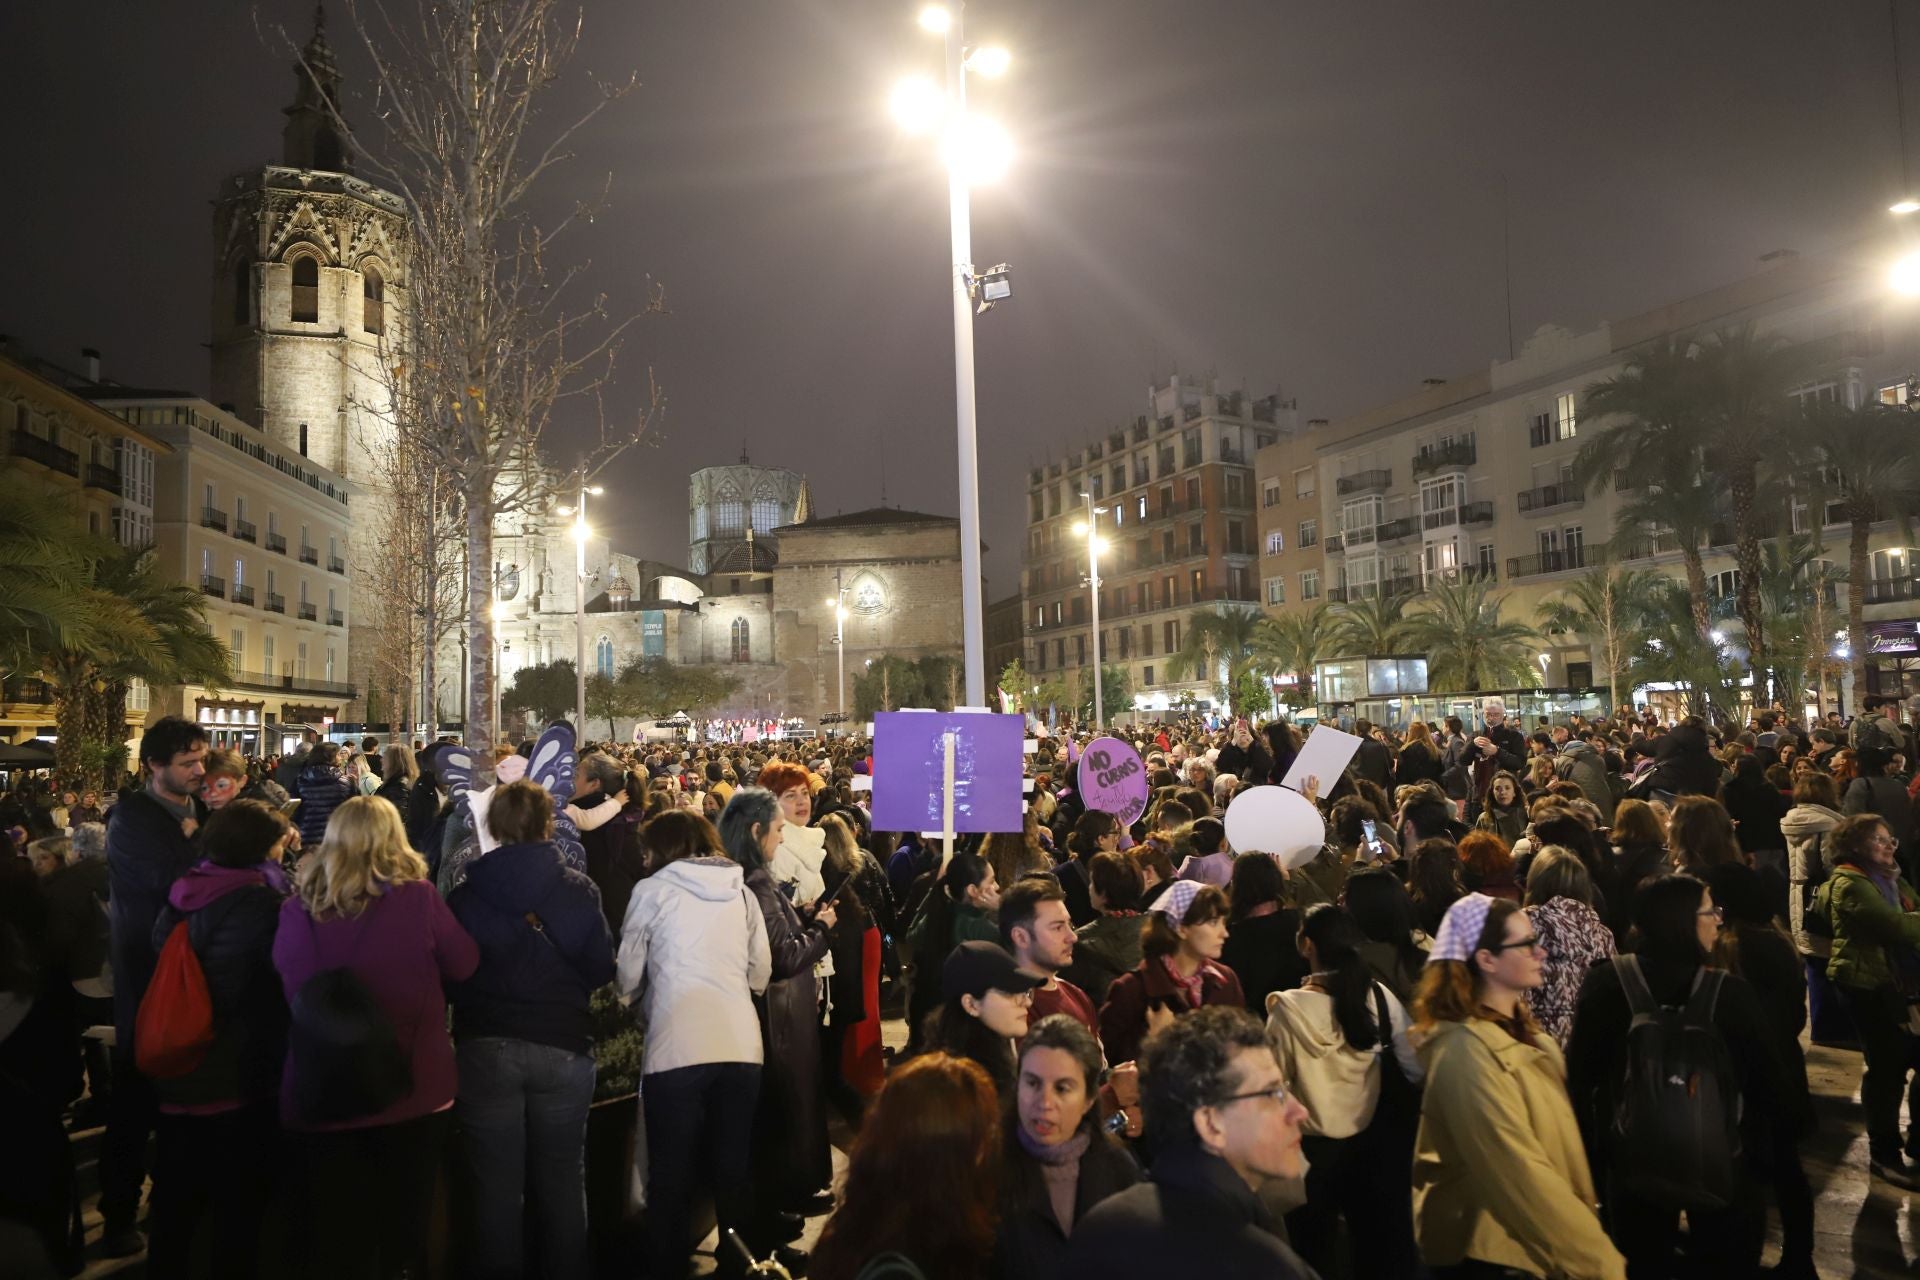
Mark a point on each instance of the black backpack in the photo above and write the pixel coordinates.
(1674, 1137)
(351, 1063)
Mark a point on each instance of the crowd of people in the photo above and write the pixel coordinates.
(1535, 1008)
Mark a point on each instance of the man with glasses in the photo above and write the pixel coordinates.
(1223, 1126)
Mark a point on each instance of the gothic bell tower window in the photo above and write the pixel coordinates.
(306, 289)
(242, 292)
(373, 302)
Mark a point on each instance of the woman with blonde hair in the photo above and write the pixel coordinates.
(1500, 1176)
(365, 948)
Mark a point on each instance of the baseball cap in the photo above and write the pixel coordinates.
(975, 968)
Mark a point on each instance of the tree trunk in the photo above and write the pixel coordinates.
(481, 731)
(1746, 556)
(1860, 525)
(1697, 590)
(1612, 640)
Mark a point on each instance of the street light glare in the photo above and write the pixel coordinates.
(1079, 528)
(979, 150)
(936, 18)
(595, 490)
(1908, 205)
(994, 60)
(918, 104)
(1905, 276)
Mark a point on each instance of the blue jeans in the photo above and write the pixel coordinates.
(699, 1120)
(523, 1109)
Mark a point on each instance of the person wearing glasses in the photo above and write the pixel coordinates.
(1223, 1126)
(1875, 966)
(1677, 925)
(1500, 1176)
(988, 998)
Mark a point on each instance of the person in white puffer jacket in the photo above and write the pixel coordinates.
(693, 955)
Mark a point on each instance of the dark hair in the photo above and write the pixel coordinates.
(1664, 915)
(1700, 833)
(1189, 1065)
(677, 834)
(324, 754)
(965, 869)
(1209, 834)
(1158, 937)
(1433, 873)
(951, 1029)
(1348, 815)
(1152, 853)
(169, 736)
(1848, 841)
(1171, 812)
(1021, 901)
(241, 834)
(1117, 879)
(748, 808)
(1088, 830)
(1379, 904)
(520, 813)
(1814, 787)
(1257, 880)
(1066, 1033)
(1337, 940)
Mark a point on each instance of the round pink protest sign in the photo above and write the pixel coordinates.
(1113, 780)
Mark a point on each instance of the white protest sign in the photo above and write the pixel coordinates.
(1277, 821)
(1325, 756)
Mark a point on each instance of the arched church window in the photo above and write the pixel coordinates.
(766, 514)
(742, 641)
(303, 439)
(373, 302)
(306, 289)
(242, 291)
(729, 516)
(603, 657)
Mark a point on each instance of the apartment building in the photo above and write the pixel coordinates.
(1172, 498)
(1471, 476)
(263, 533)
(102, 466)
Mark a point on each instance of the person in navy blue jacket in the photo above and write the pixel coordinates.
(150, 844)
(322, 789)
(522, 1034)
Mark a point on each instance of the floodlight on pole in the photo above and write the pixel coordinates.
(1089, 529)
(992, 61)
(917, 105)
(937, 19)
(978, 150)
(1905, 206)
(1904, 277)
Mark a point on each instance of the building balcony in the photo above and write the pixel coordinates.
(213, 518)
(1460, 453)
(246, 531)
(269, 681)
(308, 613)
(102, 476)
(276, 542)
(335, 618)
(336, 565)
(216, 587)
(1888, 590)
(242, 593)
(1364, 481)
(45, 452)
(1562, 561)
(1465, 513)
(1396, 530)
(25, 692)
(1385, 588)
(310, 555)
(1332, 542)
(1551, 497)
(276, 603)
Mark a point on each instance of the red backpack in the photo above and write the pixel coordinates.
(174, 1027)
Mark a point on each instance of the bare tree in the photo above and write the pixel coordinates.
(495, 337)
(415, 555)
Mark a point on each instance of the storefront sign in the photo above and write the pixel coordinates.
(1893, 637)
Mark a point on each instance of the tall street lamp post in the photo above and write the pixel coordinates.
(580, 534)
(1095, 542)
(839, 606)
(976, 150)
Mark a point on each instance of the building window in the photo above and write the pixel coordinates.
(242, 292)
(742, 641)
(766, 515)
(1303, 482)
(1564, 423)
(1540, 429)
(1040, 656)
(1276, 542)
(1310, 584)
(300, 661)
(1309, 533)
(603, 656)
(1059, 653)
(1058, 616)
(1236, 537)
(1724, 585)
(1196, 539)
(1269, 493)
(1484, 558)
(1276, 590)
(306, 289)
(1170, 597)
(1039, 616)
(373, 302)
(1172, 632)
(1193, 493)
(729, 517)
(1146, 640)
(266, 654)
(303, 439)
(1079, 651)
(237, 646)
(1146, 675)
(1199, 584)
(330, 658)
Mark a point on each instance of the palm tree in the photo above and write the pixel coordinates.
(157, 634)
(1369, 625)
(1650, 449)
(1216, 635)
(1468, 646)
(46, 559)
(1796, 589)
(1295, 641)
(1677, 652)
(1747, 378)
(1876, 476)
(1609, 607)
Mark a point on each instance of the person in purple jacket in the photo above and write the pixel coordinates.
(362, 903)
(524, 1039)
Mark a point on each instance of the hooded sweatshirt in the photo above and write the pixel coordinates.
(1338, 1084)
(1805, 828)
(694, 953)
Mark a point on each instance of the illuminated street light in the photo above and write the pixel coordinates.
(1085, 528)
(1906, 206)
(1905, 275)
(994, 60)
(1718, 637)
(936, 18)
(917, 105)
(978, 151)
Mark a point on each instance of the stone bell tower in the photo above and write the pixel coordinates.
(309, 284)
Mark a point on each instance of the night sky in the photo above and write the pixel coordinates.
(1296, 196)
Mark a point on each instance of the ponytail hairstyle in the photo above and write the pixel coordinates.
(1336, 943)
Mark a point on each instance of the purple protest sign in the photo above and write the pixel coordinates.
(909, 759)
(1113, 780)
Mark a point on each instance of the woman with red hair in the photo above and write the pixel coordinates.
(922, 1177)
(803, 848)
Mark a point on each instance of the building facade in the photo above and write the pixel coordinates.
(1177, 488)
(1473, 476)
(732, 512)
(1006, 636)
(263, 533)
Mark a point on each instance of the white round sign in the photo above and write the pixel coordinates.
(1275, 820)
